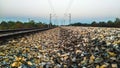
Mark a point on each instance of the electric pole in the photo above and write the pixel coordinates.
(49, 25)
(29, 20)
(69, 18)
(64, 22)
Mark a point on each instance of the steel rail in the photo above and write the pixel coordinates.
(4, 37)
(15, 30)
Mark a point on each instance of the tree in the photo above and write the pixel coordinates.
(19, 25)
(31, 24)
(11, 25)
(3, 25)
(117, 22)
(102, 24)
(40, 25)
(94, 23)
(110, 23)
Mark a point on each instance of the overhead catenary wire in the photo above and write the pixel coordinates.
(52, 11)
(51, 6)
(67, 10)
(69, 6)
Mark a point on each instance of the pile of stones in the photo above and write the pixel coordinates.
(64, 47)
(29, 51)
(94, 47)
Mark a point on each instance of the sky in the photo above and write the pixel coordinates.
(84, 11)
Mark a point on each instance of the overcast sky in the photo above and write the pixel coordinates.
(81, 10)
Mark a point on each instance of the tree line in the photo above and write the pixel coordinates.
(4, 25)
(109, 23)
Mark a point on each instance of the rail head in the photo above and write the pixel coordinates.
(18, 33)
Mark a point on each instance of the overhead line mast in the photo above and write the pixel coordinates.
(69, 6)
(69, 18)
(52, 12)
(50, 20)
(51, 6)
(67, 9)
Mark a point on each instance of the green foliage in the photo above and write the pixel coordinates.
(94, 23)
(21, 25)
(11, 24)
(3, 25)
(116, 23)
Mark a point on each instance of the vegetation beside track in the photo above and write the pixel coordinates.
(5, 25)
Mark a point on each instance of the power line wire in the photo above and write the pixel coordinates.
(51, 6)
(69, 6)
(67, 9)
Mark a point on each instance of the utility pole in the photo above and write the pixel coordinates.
(29, 20)
(64, 22)
(69, 18)
(65, 18)
(49, 25)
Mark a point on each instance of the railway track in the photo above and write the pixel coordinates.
(16, 30)
(7, 34)
(68, 47)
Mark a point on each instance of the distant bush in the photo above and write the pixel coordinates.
(116, 23)
(21, 25)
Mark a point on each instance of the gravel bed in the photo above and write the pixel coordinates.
(64, 47)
